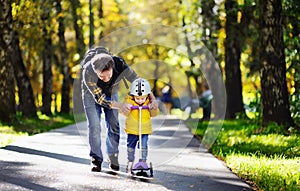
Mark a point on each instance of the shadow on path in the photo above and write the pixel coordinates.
(47, 154)
(11, 173)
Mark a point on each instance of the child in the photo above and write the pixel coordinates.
(138, 96)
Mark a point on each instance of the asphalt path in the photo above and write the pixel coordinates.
(58, 160)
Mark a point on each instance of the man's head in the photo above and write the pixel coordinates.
(103, 66)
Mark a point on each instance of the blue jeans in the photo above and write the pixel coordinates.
(93, 113)
(131, 144)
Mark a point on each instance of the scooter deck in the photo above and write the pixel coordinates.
(141, 177)
(124, 174)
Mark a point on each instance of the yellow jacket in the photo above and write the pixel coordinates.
(132, 120)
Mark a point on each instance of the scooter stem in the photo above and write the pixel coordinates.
(140, 131)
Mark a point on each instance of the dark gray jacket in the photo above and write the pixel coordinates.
(97, 87)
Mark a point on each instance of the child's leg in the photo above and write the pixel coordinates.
(144, 147)
(131, 144)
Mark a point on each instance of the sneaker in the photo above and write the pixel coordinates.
(96, 165)
(114, 164)
(129, 167)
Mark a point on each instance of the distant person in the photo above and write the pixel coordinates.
(139, 96)
(167, 98)
(205, 102)
(101, 73)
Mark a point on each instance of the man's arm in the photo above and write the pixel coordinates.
(125, 70)
(153, 103)
(90, 81)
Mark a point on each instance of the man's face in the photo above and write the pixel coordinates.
(105, 75)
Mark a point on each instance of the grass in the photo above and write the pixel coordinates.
(26, 127)
(267, 158)
(267, 173)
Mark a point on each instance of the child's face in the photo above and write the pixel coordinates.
(140, 99)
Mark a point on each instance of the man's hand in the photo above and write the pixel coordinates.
(102, 101)
(125, 108)
(153, 103)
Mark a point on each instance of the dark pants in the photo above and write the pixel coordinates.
(132, 141)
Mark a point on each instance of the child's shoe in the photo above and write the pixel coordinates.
(129, 167)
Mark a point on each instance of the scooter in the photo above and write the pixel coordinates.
(141, 167)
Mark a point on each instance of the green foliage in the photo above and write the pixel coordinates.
(31, 126)
(295, 105)
(257, 155)
(253, 109)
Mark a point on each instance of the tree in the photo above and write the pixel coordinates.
(211, 26)
(47, 59)
(101, 18)
(75, 4)
(27, 105)
(65, 90)
(291, 12)
(91, 43)
(7, 85)
(275, 102)
(233, 81)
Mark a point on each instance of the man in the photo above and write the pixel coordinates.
(102, 72)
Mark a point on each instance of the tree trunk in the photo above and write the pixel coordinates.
(91, 24)
(190, 55)
(65, 90)
(75, 4)
(47, 58)
(7, 85)
(211, 68)
(27, 105)
(275, 103)
(211, 26)
(101, 18)
(233, 81)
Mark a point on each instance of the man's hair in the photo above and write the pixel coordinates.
(101, 62)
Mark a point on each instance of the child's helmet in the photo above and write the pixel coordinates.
(140, 87)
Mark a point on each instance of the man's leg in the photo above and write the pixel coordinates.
(207, 112)
(92, 112)
(113, 136)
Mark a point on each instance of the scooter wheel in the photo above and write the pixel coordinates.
(151, 170)
(143, 174)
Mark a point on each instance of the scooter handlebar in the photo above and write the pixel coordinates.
(137, 107)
